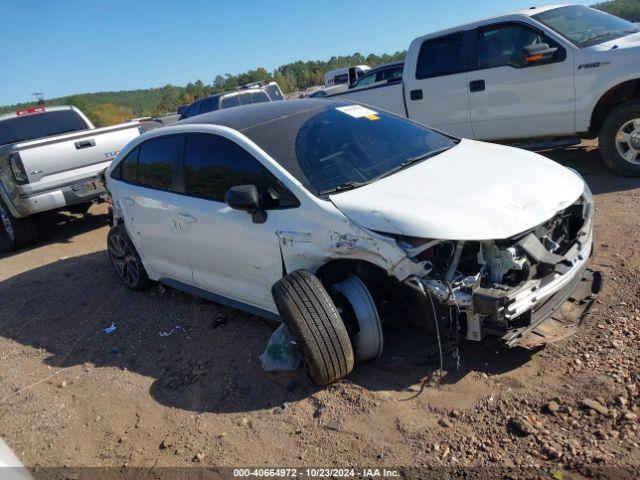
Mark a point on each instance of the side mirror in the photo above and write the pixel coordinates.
(538, 53)
(247, 199)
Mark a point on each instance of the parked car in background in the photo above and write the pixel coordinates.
(51, 159)
(387, 73)
(545, 76)
(246, 95)
(344, 76)
(336, 218)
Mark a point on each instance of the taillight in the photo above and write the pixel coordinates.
(17, 168)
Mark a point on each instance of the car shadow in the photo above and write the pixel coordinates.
(58, 227)
(587, 160)
(211, 363)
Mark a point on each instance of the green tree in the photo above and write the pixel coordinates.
(627, 9)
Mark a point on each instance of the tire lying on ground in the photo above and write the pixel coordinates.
(19, 231)
(310, 315)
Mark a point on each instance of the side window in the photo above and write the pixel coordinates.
(366, 80)
(440, 56)
(502, 45)
(157, 160)
(259, 97)
(206, 105)
(192, 110)
(228, 102)
(245, 99)
(129, 167)
(213, 164)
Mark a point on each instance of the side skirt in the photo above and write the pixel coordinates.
(214, 297)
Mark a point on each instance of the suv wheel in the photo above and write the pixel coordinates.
(19, 231)
(309, 313)
(125, 260)
(620, 139)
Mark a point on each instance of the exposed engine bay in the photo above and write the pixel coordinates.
(510, 287)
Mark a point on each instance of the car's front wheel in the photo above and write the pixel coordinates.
(19, 231)
(620, 139)
(125, 260)
(311, 316)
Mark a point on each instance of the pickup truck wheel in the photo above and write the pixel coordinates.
(19, 231)
(126, 261)
(620, 139)
(310, 315)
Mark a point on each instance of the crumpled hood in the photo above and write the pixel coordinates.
(474, 191)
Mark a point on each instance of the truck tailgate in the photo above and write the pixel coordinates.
(57, 161)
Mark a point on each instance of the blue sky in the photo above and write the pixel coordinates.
(64, 47)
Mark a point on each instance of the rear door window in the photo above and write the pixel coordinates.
(440, 56)
(157, 160)
(245, 99)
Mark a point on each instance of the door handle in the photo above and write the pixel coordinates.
(128, 200)
(85, 143)
(185, 217)
(415, 94)
(476, 86)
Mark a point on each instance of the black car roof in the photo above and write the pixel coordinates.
(248, 116)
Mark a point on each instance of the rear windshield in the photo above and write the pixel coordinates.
(329, 147)
(40, 125)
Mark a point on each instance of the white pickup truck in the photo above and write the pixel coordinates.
(545, 76)
(51, 158)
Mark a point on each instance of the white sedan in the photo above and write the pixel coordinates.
(336, 218)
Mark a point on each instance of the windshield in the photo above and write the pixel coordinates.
(585, 26)
(343, 145)
(39, 125)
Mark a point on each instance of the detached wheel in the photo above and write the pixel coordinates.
(19, 231)
(309, 313)
(126, 261)
(620, 139)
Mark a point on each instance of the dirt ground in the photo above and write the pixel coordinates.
(73, 396)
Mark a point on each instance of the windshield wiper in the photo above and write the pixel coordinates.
(343, 187)
(410, 161)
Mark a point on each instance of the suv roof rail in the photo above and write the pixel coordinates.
(247, 86)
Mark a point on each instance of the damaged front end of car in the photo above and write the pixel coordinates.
(529, 290)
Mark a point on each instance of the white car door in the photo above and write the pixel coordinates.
(436, 89)
(231, 255)
(151, 206)
(513, 96)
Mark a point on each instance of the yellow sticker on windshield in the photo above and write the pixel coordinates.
(358, 111)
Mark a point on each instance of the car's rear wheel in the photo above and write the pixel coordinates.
(19, 231)
(620, 139)
(310, 315)
(126, 261)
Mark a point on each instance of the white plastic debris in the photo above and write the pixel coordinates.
(282, 352)
(110, 329)
(176, 328)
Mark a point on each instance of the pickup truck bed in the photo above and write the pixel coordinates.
(57, 171)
